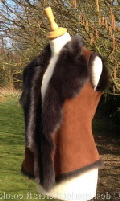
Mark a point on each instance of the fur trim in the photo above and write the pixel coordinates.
(75, 173)
(32, 80)
(42, 120)
(40, 62)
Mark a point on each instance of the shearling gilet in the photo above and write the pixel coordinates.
(59, 130)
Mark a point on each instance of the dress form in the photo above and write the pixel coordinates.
(82, 187)
(55, 45)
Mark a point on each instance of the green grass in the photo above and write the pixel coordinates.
(14, 186)
(12, 182)
(12, 151)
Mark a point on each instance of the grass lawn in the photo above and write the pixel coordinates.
(14, 186)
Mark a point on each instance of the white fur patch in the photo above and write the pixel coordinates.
(97, 67)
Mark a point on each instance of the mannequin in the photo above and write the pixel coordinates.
(55, 45)
(75, 189)
(80, 183)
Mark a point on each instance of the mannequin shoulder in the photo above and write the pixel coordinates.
(98, 72)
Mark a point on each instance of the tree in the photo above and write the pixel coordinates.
(98, 22)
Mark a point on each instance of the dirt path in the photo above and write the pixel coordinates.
(109, 175)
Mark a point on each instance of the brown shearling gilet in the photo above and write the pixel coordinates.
(75, 147)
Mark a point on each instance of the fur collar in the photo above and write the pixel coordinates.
(70, 74)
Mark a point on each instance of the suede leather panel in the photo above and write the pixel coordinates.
(28, 163)
(75, 145)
